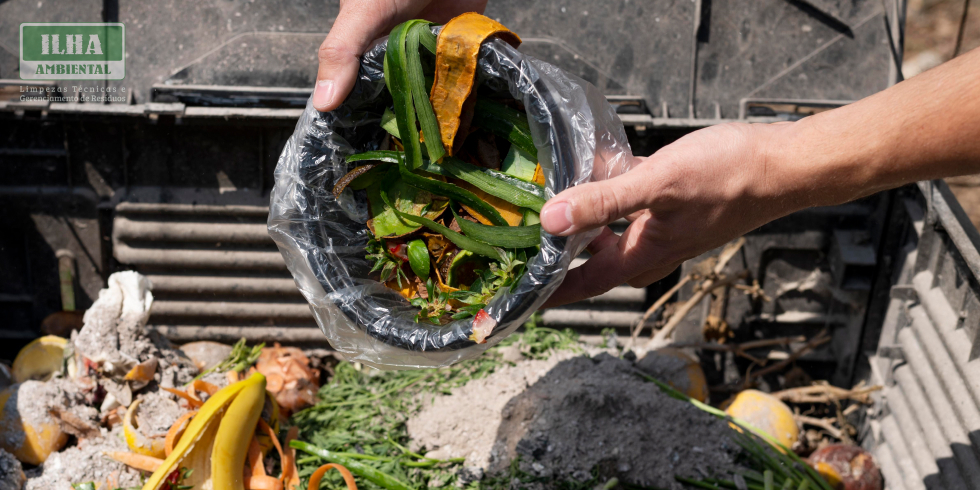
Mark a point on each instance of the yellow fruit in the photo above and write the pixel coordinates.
(678, 369)
(232, 440)
(138, 442)
(27, 431)
(40, 359)
(197, 446)
(765, 412)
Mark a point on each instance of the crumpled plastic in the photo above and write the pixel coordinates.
(579, 139)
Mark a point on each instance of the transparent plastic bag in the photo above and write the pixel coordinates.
(579, 139)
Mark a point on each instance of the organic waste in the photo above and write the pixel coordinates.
(289, 377)
(40, 359)
(454, 206)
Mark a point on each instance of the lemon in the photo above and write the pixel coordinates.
(40, 359)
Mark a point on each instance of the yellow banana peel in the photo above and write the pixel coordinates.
(225, 417)
(236, 430)
(136, 440)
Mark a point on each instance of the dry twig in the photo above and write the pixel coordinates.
(827, 424)
(822, 338)
(709, 284)
(743, 348)
(825, 393)
(659, 304)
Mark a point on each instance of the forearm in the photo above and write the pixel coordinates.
(924, 128)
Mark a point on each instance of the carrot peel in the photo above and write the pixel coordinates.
(318, 475)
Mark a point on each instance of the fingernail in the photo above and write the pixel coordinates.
(556, 218)
(323, 93)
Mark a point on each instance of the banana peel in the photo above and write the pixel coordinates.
(215, 443)
(234, 433)
(136, 440)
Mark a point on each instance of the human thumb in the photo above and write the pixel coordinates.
(339, 57)
(592, 205)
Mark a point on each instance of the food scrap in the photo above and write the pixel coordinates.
(453, 211)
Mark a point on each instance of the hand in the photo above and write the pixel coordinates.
(696, 194)
(362, 21)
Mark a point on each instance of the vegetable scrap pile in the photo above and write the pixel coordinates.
(538, 415)
(454, 203)
(119, 407)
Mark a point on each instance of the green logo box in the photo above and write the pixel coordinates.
(73, 51)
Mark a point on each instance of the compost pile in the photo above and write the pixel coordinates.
(540, 410)
(115, 404)
(564, 417)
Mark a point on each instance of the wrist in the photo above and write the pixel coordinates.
(816, 162)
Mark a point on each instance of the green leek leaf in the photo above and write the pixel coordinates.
(507, 123)
(459, 240)
(518, 164)
(416, 80)
(389, 123)
(490, 184)
(500, 236)
(452, 191)
(397, 79)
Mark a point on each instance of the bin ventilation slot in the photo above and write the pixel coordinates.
(217, 275)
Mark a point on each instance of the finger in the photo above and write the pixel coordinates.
(642, 250)
(653, 275)
(358, 24)
(606, 238)
(616, 263)
(594, 204)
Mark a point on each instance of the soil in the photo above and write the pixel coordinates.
(11, 473)
(568, 415)
(83, 463)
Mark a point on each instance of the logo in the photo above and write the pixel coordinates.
(84, 51)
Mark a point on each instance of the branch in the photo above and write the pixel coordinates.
(822, 338)
(743, 348)
(824, 393)
(707, 286)
(824, 424)
(659, 304)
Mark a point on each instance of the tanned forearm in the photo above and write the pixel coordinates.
(924, 128)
